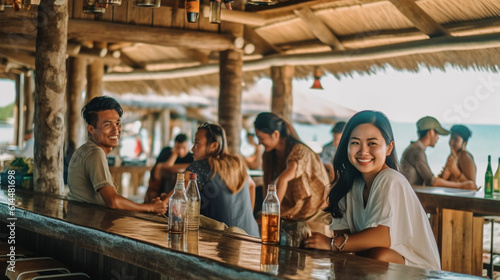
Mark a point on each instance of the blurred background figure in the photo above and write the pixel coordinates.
(460, 165)
(169, 162)
(300, 178)
(254, 161)
(330, 148)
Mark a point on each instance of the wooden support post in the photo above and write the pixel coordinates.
(95, 86)
(282, 97)
(50, 109)
(77, 67)
(149, 125)
(164, 128)
(29, 99)
(18, 112)
(230, 98)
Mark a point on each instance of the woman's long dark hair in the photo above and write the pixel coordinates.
(267, 122)
(346, 173)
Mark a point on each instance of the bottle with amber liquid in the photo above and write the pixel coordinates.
(488, 179)
(496, 179)
(177, 207)
(193, 10)
(270, 228)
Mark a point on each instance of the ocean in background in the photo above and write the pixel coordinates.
(485, 141)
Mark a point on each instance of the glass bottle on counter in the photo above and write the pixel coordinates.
(177, 207)
(193, 202)
(193, 10)
(496, 179)
(215, 10)
(488, 179)
(271, 217)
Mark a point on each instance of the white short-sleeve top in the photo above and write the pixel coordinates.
(393, 203)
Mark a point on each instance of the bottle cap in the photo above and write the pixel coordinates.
(271, 187)
(192, 176)
(180, 176)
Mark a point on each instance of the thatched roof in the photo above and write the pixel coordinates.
(340, 36)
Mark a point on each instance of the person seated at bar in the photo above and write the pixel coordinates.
(328, 151)
(460, 165)
(168, 164)
(89, 178)
(414, 165)
(254, 162)
(300, 178)
(227, 191)
(375, 211)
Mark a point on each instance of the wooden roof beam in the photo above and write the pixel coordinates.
(28, 43)
(117, 32)
(419, 18)
(262, 46)
(19, 57)
(319, 28)
(433, 45)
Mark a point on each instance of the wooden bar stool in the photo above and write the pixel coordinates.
(29, 268)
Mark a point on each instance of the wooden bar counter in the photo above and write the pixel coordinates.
(457, 222)
(108, 243)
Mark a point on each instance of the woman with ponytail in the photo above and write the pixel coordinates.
(300, 178)
(227, 191)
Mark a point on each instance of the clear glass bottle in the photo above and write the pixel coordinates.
(270, 229)
(496, 179)
(177, 207)
(194, 199)
(488, 179)
(215, 10)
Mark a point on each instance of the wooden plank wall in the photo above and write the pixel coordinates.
(165, 16)
(80, 260)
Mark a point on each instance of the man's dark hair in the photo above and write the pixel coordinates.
(181, 138)
(97, 104)
(422, 133)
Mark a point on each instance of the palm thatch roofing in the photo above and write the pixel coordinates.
(157, 50)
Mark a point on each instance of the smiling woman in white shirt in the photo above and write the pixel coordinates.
(376, 212)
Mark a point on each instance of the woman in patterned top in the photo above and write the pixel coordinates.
(227, 191)
(297, 171)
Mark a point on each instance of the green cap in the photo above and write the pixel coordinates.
(427, 123)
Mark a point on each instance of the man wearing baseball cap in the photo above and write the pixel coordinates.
(414, 165)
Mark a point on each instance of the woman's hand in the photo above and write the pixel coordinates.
(318, 241)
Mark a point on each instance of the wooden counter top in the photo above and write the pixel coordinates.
(457, 199)
(142, 239)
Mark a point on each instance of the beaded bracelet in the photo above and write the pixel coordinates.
(341, 247)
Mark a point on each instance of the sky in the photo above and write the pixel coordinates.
(454, 96)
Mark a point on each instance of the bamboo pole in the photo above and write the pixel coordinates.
(50, 109)
(29, 99)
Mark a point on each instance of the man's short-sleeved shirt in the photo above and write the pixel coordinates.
(88, 171)
(414, 165)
